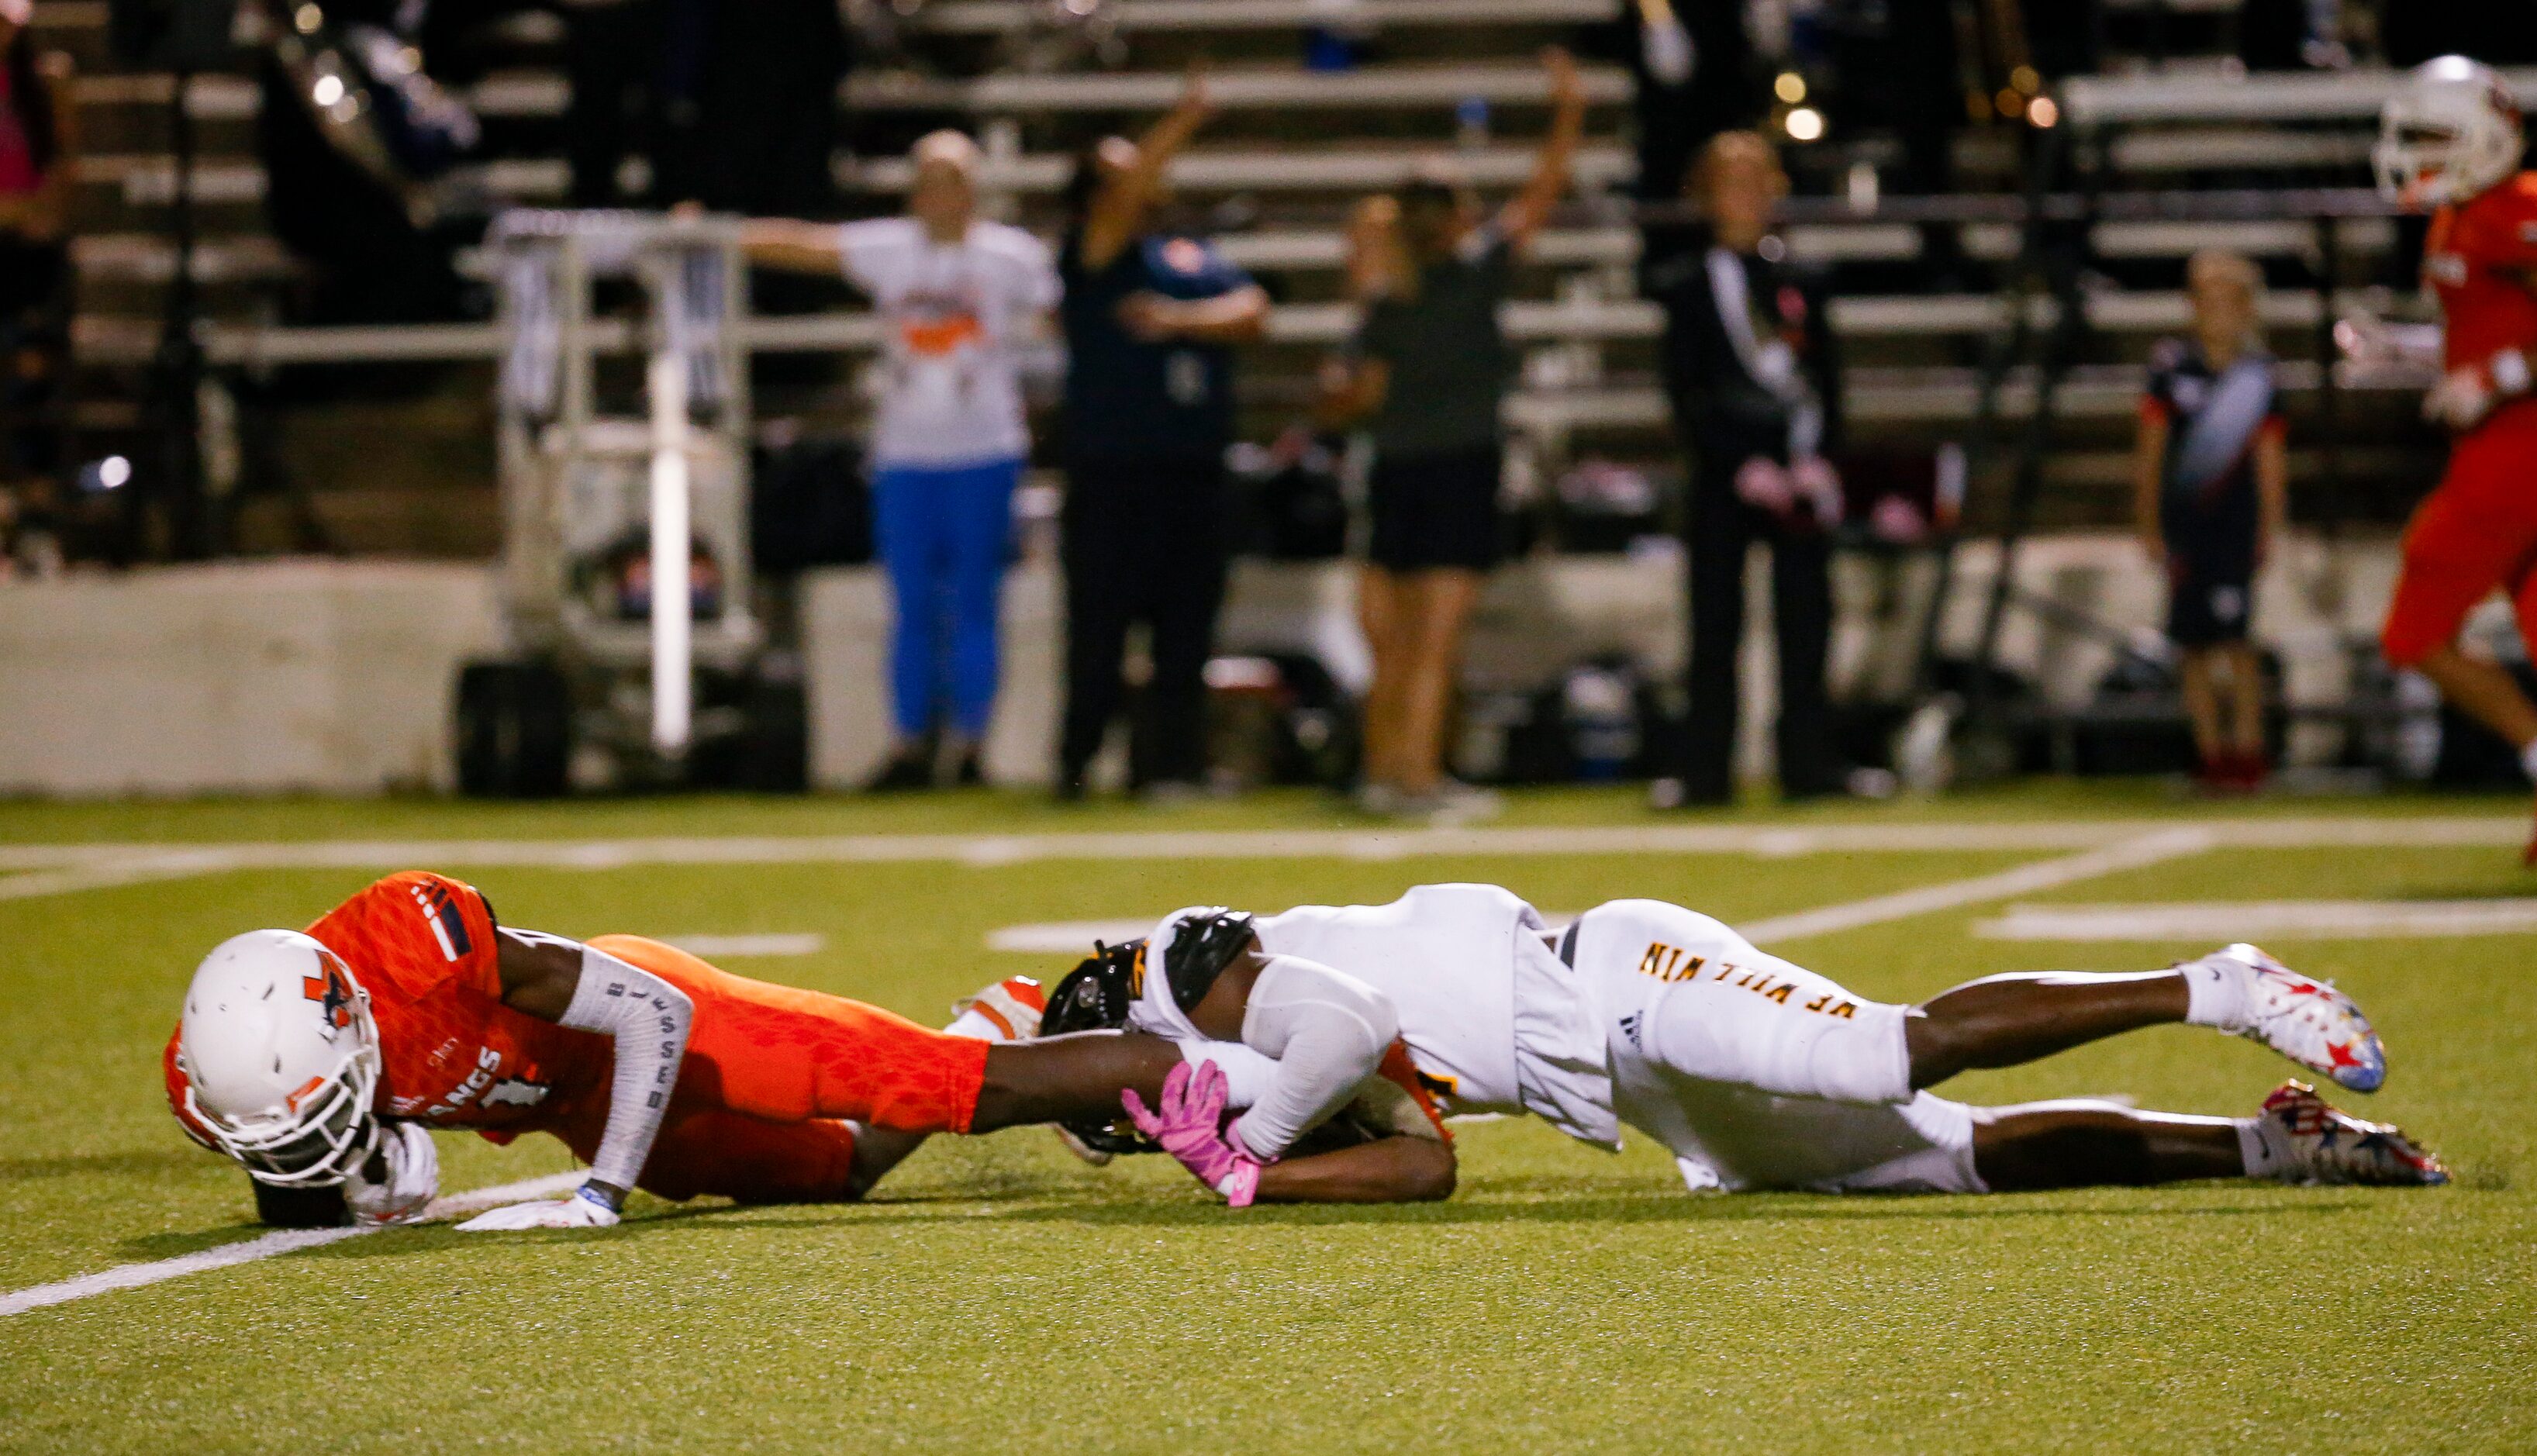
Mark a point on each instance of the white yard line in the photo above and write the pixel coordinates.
(2263, 920)
(280, 1241)
(2025, 879)
(1067, 938)
(56, 869)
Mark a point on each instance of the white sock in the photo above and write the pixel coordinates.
(2216, 994)
(2264, 1158)
(2528, 760)
(974, 1025)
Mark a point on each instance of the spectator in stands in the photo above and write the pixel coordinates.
(2211, 486)
(1153, 314)
(1749, 363)
(1427, 375)
(38, 154)
(959, 297)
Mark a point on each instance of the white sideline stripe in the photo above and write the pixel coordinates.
(776, 944)
(1067, 938)
(1064, 937)
(280, 1241)
(96, 866)
(1956, 894)
(2263, 920)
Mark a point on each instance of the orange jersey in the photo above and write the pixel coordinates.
(2481, 257)
(451, 1054)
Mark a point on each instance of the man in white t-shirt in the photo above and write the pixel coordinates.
(1754, 1072)
(960, 298)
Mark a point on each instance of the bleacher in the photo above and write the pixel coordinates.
(1290, 148)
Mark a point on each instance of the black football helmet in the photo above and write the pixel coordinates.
(1095, 997)
(1202, 945)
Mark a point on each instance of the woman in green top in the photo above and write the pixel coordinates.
(1427, 375)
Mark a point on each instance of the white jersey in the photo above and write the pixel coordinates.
(1492, 1018)
(953, 314)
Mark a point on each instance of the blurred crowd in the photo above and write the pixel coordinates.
(731, 108)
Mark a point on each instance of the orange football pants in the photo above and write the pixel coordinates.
(2475, 531)
(771, 1072)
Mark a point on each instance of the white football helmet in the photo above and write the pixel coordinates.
(2450, 132)
(280, 1058)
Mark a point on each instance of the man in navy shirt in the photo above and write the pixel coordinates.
(1150, 317)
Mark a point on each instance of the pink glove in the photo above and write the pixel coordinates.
(1814, 483)
(1191, 1127)
(1760, 481)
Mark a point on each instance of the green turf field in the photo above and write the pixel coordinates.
(998, 1297)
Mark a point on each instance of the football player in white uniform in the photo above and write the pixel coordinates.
(1754, 1072)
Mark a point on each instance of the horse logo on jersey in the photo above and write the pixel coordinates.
(333, 993)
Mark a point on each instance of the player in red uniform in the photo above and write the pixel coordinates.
(2452, 139)
(319, 1060)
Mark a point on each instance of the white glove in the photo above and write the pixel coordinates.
(582, 1210)
(413, 1177)
(2460, 400)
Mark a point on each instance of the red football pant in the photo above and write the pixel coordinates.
(2476, 531)
(770, 1072)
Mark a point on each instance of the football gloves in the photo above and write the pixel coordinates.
(583, 1210)
(1191, 1127)
(410, 1169)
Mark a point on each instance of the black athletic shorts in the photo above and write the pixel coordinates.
(2209, 603)
(1437, 510)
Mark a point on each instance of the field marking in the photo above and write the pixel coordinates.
(773, 944)
(2263, 920)
(57, 869)
(279, 1241)
(2025, 879)
(1067, 937)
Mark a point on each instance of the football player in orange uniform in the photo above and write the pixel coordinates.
(320, 1061)
(2451, 140)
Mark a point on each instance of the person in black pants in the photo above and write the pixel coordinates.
(1750, 367)
(1150, 317)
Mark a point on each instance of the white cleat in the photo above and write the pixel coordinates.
(2314, 1141)
(2308, 1021)
(1011, 1011)
(1007, 1011)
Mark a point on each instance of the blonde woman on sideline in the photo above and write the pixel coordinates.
(957, 295)
(1427, 375)
(2211, 493)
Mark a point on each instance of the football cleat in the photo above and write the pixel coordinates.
(1011, 1008)
(2315, 1143)
(2308, 1021)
